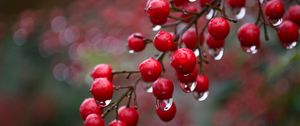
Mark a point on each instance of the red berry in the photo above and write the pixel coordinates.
(179, 3)
(128, 115)
(293, 14)
(202, 83)
(167, 115)
(136, 42)
(163, 41)
(288, 33)
(89, 106)
(102, 70)
(218, 28)
(274, 9)
(183, 60)
(94, 120)
(102, 89)
(188, 14)
(150, 69)
(163, 88)
(189, 38)
(158, 11)
(214, 44)
(248, 35)
(236, 3)
(188, 78)
(117, 123)
(204, 2)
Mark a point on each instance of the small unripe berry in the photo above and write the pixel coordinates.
(163, 88)
(102, 70)
(183, 60)
(293, 14)
(89, 106)
(117, 123)
(167, 115)
(189, 38)
(188, 78)
(128, 115)
(204, 2)
(150, 69)
(236, 3)
(274, 9)
(136, 42)
(202, 83)
(94, 120)
(158, 11)
(214, 44)
(163, 41)
(248, 35)
(102, 89)
(218, 28)
(288, 33)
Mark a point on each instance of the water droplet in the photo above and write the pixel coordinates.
(165, 104)
(240, 13)
(131, 51)
(291, 45)
(148, 87)
(276, 22)
(200, 96)
(196, 52)
(192, 0)
(104, 103)
(216, 53)
(251, 50)
(261, 1)
(188, 87)
(156, 28)
(210, 14)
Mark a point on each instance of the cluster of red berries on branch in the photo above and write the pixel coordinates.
(187, 53)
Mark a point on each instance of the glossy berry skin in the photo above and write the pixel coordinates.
(180, 3)
(163, 41)
(168, 115)
(288, 32)
(117, 123)
(102, 89)
(150, 69)
(248, 35)
(204, 2)
(293, 14)
(128, 115)
(188, 78)
(102, 70)
(236, 3)
(89, 106)
(274, 9)
(214, 44)
(218, 28)
(94, 120)
(189, 38)
(183, 60)
(202, 83)
(163, 88)
(158, 11)
(188, 16)
(136, 42)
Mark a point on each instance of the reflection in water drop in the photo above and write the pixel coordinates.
(210, 14)
(276, 22)
(217, 54)
(148, 87)
(188, 87)
(156, 28)
(131, 51)
(251, 50)
(240, 13)
(291, 45)
(192, 0)
(165, 104)
(261, 1)
(104, 103)
(200, 96)
(196, 52)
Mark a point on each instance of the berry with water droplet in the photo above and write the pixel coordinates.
(189, 38)
(167, 115)
(288, 33)
(202, 83)
(89, 106)
(188, 78)
(274, 9)
(218, 28)
(158, 11)
(183, 60)
(102, 89)
(163, 88)
(102, 70)
(213, 43)
(293, 14)
(94, 120)
(136, 42)
(236, 3)
(248, 35)
(117, 123)
(163, 41)
(150, 69)
(128, 115)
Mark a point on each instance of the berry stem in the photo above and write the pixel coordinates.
(264, 20)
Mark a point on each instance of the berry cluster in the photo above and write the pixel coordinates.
(187, 53)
